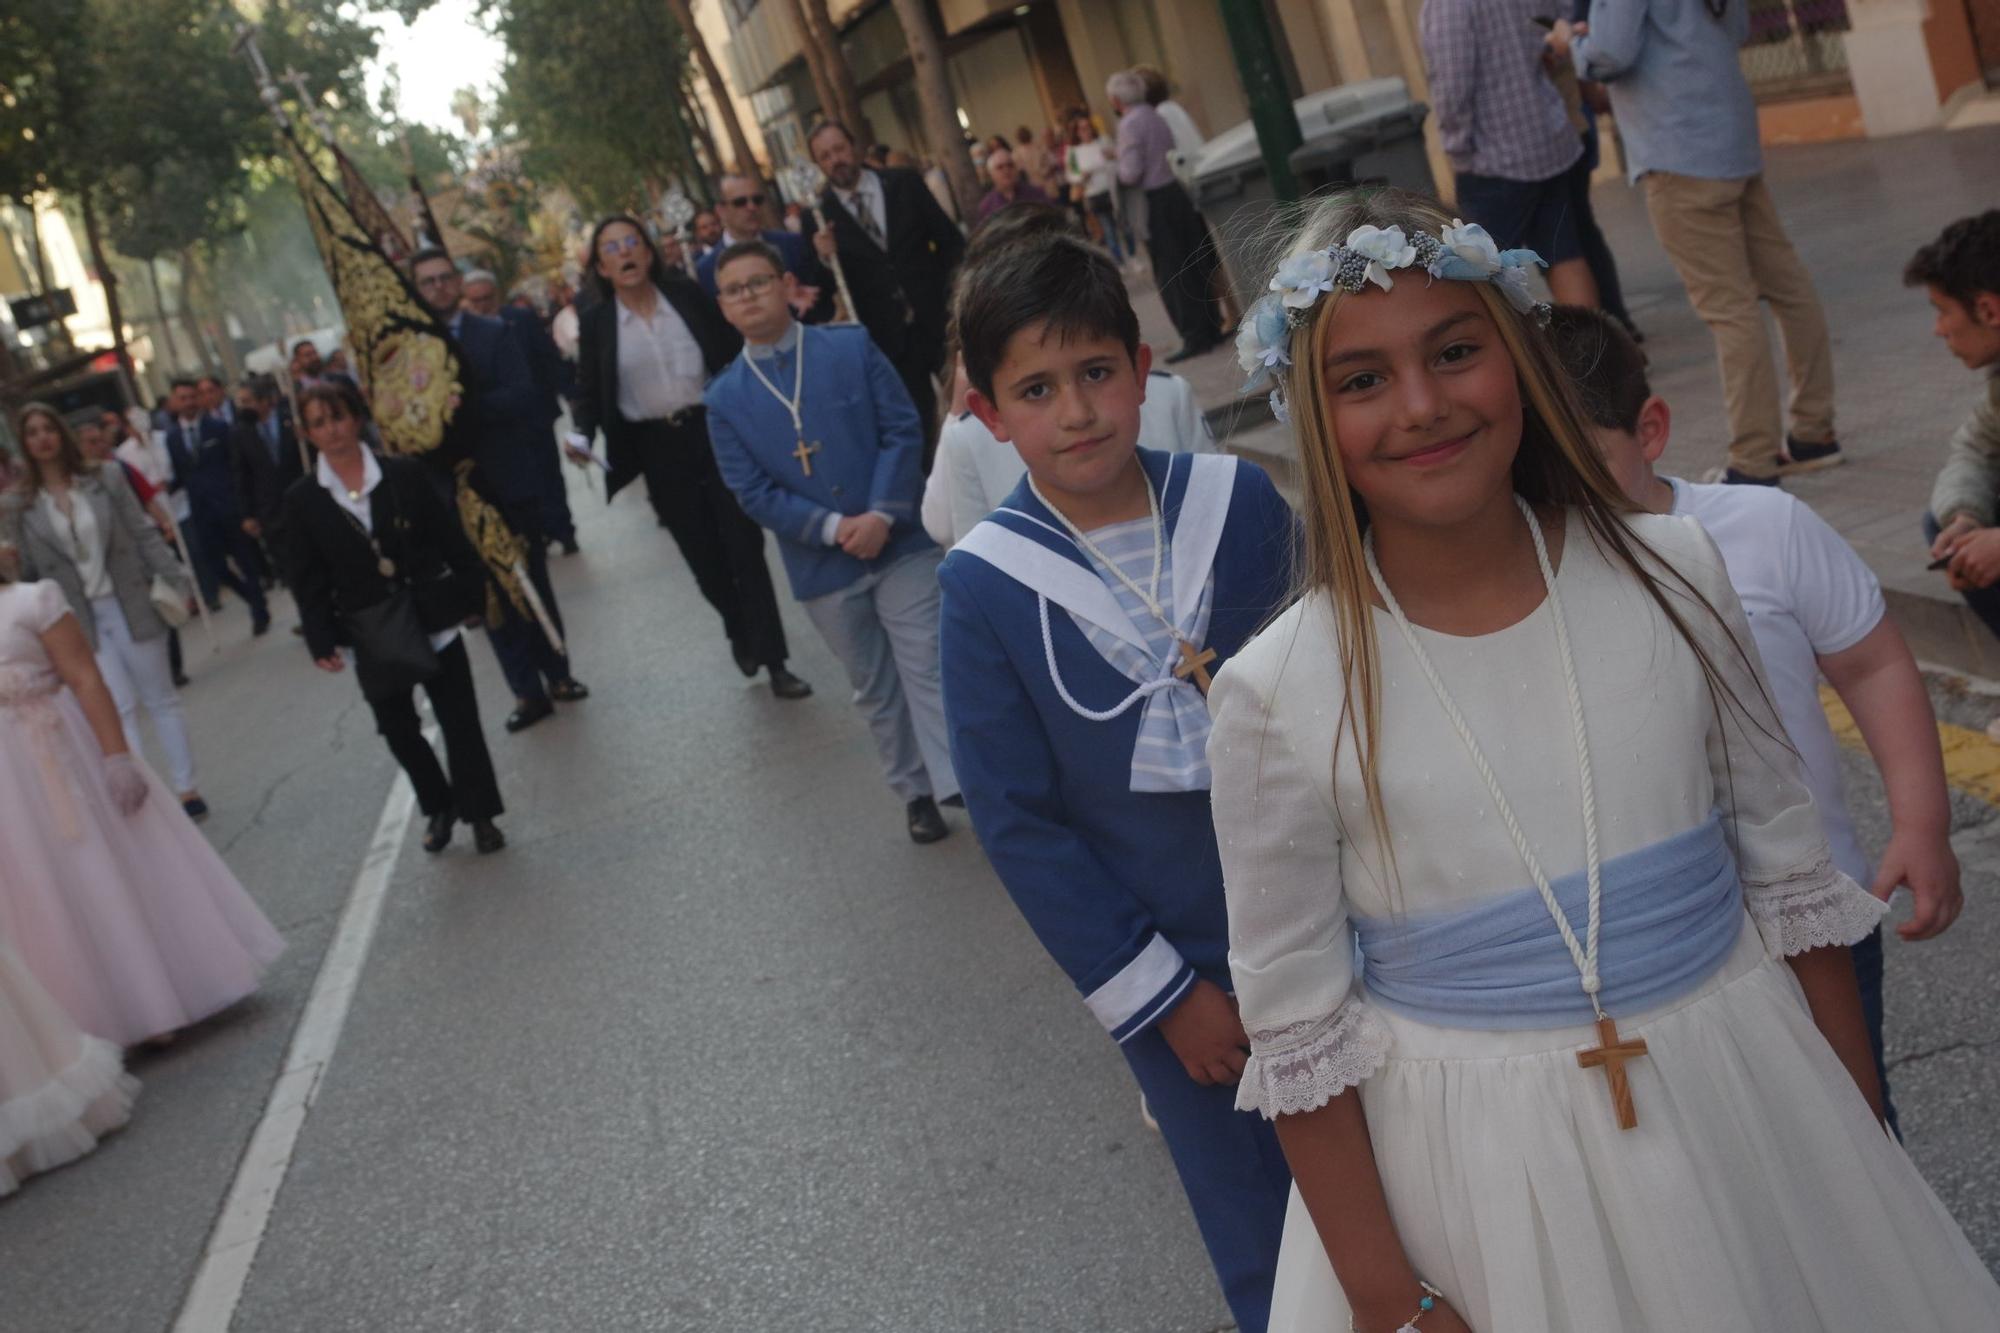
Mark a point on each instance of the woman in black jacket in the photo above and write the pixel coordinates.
(356, 532)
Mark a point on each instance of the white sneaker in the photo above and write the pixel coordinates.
(1146, 1113)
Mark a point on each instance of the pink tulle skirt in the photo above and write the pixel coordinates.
(132, 923)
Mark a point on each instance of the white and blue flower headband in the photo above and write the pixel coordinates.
(1462, 251)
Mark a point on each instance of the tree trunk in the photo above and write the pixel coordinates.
(691, 108)
(203, 274)
(815, 60)
(93, 236)
(739, 144)
(166, 325)
(188, 319)
(839, 74)
(941, 127)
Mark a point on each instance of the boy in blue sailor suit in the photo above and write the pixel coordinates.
(816, 436)
(1082, 620)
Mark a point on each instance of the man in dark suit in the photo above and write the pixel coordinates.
(898, 250)
(264, 454)
(198, 448)
(505, 412)
(545, 362)
(645, 351)
(742, 211)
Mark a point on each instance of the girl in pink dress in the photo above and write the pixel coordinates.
(108, 894)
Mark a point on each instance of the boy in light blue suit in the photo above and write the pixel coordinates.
(1081, 622)
(816, 436)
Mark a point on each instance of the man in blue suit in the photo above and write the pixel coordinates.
(204, 471)
(505, 410)
(741, 209)
(482, 297)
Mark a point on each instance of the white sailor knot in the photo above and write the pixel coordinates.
(1591, 983)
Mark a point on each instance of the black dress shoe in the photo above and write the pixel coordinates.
(180, 682)
(437, 833)
(955, 801)
(746, 661)
(260, 625)
(487, 837)
(926, 824)
(528, 714)
(787, 686)
(570, 547)
(569, 691)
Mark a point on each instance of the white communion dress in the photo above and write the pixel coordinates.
(1756, 1194)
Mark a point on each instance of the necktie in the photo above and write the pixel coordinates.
(865, 215)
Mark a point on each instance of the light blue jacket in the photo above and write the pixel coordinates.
(1677, 87)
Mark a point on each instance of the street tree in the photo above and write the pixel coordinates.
(732, 125)
(940, 108)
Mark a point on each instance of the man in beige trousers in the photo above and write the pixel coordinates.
(1689, 125)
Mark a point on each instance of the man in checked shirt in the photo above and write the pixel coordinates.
(1506, 131)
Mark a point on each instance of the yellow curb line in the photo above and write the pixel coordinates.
(1971, 758)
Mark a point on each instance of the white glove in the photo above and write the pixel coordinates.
(127, 782)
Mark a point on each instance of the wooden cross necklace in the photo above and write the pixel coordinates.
(795, 403)
(1611, 1053)
(1194, 659)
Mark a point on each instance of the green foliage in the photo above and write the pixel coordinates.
(590, 93)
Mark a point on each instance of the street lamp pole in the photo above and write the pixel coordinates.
(1263, 79)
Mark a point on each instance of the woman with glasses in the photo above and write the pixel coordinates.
(645, 351)
(741, 209)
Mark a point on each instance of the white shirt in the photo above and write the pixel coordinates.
(867, 194)
(972, 473)
(1092, 168)
(147, 456)
(563, 328)
(78, 536)
(660, 370)
(358, 505)
(1808, 595)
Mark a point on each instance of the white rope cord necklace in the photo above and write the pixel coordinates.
(1150, 600)
(1583, 955)
(796, 403)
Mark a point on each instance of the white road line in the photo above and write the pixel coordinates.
(246, 1213)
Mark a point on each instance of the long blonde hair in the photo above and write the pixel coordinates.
(1557, 466)
(69, 454)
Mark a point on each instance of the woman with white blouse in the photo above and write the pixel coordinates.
(80, 524)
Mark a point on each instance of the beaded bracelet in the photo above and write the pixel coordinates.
(1431, 1297)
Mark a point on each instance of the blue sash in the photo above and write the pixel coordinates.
(1672, 913)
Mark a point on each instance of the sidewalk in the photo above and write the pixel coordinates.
(1856, 211)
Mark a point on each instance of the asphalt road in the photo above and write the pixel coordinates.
(711, 1046)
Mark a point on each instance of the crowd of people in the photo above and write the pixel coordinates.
(1610, 1055)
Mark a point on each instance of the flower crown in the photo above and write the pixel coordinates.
(1462, 251)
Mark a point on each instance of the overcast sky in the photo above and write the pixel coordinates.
(440, 53)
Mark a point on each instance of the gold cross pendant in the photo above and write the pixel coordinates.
(1195, 664)
(804, 454)
(1610, 1055)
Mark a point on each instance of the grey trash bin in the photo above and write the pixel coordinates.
(1368, 132)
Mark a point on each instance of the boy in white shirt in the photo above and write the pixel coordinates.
(1815, 610)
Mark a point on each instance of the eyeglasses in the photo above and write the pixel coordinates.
(437, 280)
(746, 201)
(620, 245)
(749, 287)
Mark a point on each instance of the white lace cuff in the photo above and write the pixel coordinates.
(1301, 1066)
(1811, 906)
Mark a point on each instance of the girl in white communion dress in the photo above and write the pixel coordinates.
(1532, 925)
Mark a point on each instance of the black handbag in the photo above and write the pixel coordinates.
(392, 649)
(392, 653)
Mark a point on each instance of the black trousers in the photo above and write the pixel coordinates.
(214, 541)
(917, 368)
(724, 549)
(1184, 264)
(556, 518)
(472, 791)
(527, 659)
(1596, 250)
